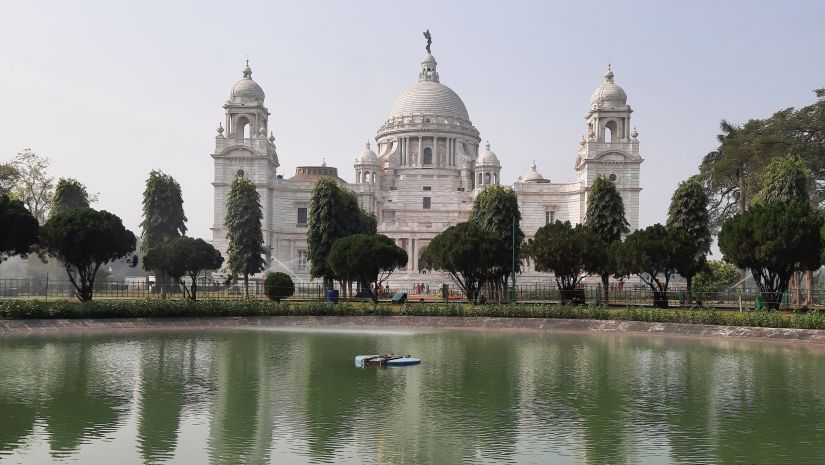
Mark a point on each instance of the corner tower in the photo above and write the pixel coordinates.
(242, 148)
(610, 147)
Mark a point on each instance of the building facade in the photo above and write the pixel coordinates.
(427, 166)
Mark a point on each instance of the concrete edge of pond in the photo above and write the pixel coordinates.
(54, 326)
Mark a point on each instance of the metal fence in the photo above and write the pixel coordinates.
(635, 295)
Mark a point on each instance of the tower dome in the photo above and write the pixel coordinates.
(487, 157)
(246, 90)
(533, 176)
(609, 94)
(367, 156)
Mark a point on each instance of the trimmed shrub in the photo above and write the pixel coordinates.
(278, 286)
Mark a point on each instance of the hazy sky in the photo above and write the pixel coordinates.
(110, 90)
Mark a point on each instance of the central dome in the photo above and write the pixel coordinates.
(429, 97)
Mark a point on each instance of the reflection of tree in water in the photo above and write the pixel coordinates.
(82, 400)
(161, 396)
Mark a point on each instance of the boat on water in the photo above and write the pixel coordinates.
(390, 360)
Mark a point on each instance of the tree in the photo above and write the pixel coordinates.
(773, 241)
(495, 209)
(689, 219)
(243, 230)
(569, 253)
(718, 276)
(83, 239)
(33, 186)
(278, 286)
(331, 214)
(8, 178)
(18, 228)
(184, 257)
(367, 259)
(652, 254)
(468, 253)
(605, 217)
(163, 217)
(786, 179)
(70, 193)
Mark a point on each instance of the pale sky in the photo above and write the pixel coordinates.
(110, 90)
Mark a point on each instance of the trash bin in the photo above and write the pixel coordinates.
(332, 295)
(682, 297)
(760, 303)
(445, 292)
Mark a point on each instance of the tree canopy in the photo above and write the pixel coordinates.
(278, 286)
(745, 151)
(718, 276)
(568, 252)
(606, 219)
(83, 239)
(70, 193)
(181, 257)
(367, 259)
(466, 252)
(653, 254)
(243, 230)
(495, 209)
(163, 216)
(773, 241)
(32, 184)
(333, 213)
(689, 222)
(787, 180)
(18, 228)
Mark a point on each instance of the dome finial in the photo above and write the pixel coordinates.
(323, 161)
(488, 145)
(247, 71)
(429, 38)
(608, 75)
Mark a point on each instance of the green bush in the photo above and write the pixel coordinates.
(278, 286)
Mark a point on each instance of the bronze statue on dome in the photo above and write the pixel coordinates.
(429, 39)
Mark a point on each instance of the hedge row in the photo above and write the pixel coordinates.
(36, 309)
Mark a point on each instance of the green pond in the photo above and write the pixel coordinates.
(295, 396)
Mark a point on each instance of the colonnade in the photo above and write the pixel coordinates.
(415, 159)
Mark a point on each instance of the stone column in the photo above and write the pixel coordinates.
(420, 150)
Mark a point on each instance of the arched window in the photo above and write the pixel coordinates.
(487, 178)
(242, 128)
(358, 177)
(610, 131)
(428, 157)
(480, 179)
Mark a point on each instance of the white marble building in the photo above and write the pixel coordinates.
(421, 177)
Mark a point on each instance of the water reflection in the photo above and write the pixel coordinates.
(265, 397)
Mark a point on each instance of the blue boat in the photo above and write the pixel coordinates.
(385, 360)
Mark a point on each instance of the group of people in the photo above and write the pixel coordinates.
(421, 288)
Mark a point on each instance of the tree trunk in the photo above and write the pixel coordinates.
(689, 289)
(194, 290)
(246, 284)
(809, 280)
(605, 287)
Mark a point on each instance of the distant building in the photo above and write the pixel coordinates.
(421, 178)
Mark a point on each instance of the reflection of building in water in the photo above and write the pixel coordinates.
(426, 167)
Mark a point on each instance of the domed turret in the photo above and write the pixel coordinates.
(246, 90)
(609, 94)
(534, 177)
(367, 156)
(487, 157)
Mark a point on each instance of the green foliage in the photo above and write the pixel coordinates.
(652, 254)
(278, 286)
(331, 213)
(32, 185)
(83, 239)
(689, 221)
(747, 150)
(773, 241)
(605, 211)
(70, 193)
(494, 209)
(243, 230)
(566, 251)
(163, 216)
(718, 276)
(8, 178)
(368, 259)
(18, 228)
(184, 256)
(786, 179)
(468, 253)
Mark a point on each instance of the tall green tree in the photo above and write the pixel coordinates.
(70, 193)
(495, 209)
(787, 180)
(243, 230)
(8, 178)
(568, 252)
(605, 217)
(163, 217)
(367, 259)
(33, 186)
(688, 214)
(18, 228)
(469, 254)
(652, 254)
(84, 239)
(333, 213)
(773, 241)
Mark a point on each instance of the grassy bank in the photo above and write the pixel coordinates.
(34, 309)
